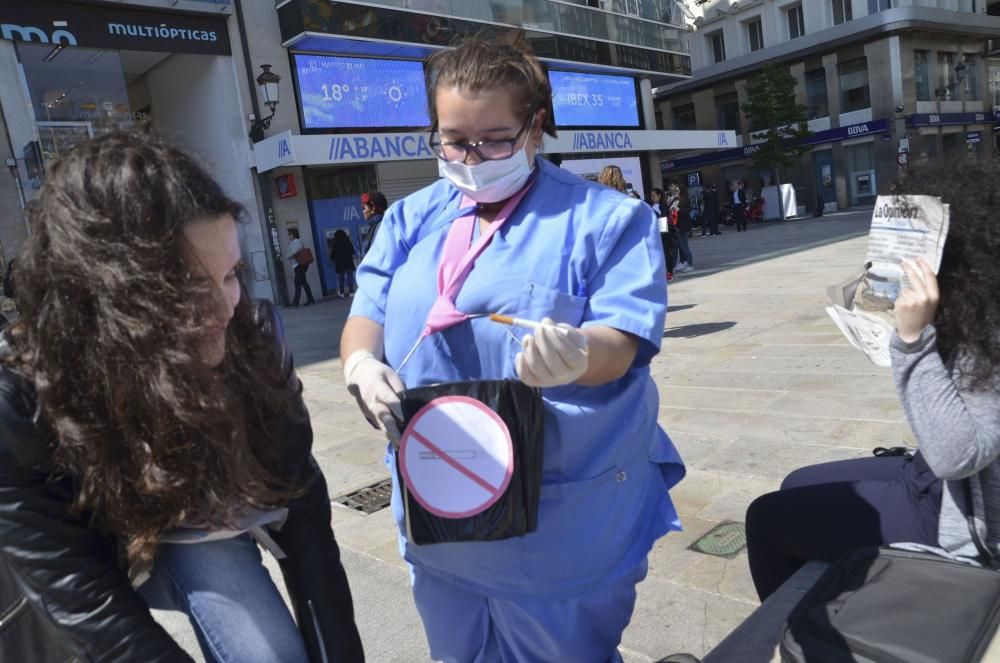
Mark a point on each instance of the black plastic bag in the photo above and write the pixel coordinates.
(515, 512)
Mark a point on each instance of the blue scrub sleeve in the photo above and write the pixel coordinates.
(627, 291)
(374, 274)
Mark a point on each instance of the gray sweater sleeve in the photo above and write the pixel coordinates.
(956, 440)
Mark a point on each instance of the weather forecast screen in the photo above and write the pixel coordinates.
(593, 100)
(338, 92)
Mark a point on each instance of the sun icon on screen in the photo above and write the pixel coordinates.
(395, 93)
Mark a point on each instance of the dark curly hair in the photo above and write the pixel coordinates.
(111, 315)
(968, 315)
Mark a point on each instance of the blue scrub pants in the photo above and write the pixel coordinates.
(465, 627)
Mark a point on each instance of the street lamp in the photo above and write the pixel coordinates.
(945, 90)
(267, 83)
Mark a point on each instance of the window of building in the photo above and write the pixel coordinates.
(79, 93)
(718, 44)
(796, 22)
(993, 82)
(817, 104)
(842, 11)
(922, 75)
(875, 6)
(970, 85)
(755, 35)
(727, 111)
(854, 93)
(684, 117)
(946, 75)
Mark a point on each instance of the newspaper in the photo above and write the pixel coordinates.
(902, 228)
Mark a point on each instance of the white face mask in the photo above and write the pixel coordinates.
(489, 181)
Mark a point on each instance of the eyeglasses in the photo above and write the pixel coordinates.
(487, 150)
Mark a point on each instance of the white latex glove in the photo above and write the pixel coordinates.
(377, 388)
(555, 355)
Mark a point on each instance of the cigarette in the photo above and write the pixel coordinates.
(515, 322)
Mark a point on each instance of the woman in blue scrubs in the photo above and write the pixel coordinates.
(571, 252)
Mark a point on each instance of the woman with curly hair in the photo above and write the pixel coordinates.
(946, 364)
(612, 176)
(153, 432)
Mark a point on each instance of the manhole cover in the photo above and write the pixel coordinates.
(368, 499)
(723, 540)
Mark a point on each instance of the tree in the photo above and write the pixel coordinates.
(779, 119)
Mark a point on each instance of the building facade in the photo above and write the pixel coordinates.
(71, 71)
(351, 106)
(354, 73)
(883, 82)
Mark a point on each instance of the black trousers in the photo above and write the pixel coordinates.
(740, 217)
(822, 511)
(300, 284)
(669, 250)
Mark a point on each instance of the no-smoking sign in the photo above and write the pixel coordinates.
(456, 457)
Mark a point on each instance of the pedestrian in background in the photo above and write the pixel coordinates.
(612, 176)
(684, 228)
(710, 222)
(300, 258)
(342, 255)
(739, 205)
(154, 432)
(373, 207)
(667, 239)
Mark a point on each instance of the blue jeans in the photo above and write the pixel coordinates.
(234, 607)
(685, 249)
(346, 282)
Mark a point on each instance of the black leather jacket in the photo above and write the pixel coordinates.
(63, 596)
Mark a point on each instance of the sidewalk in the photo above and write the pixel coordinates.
(754, 381)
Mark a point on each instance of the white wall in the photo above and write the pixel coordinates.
(264, 44)
(196, 105)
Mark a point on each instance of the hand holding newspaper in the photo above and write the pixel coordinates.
(902, 228)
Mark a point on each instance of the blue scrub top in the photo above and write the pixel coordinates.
(579, 253)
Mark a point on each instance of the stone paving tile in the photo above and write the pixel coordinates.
(672, 618)
(745, 364)
(759, 425)
(368, 533)
(732, 504)
(694, 447)
(875, 385)
(724, 380)
(718, 398)
(670, 556)
(854, 406)
(727, 577)
(772, 459)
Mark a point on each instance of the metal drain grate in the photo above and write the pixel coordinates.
(723, 540)
(368, 499)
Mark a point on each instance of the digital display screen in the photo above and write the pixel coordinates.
(341, 93)
(593, 100)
